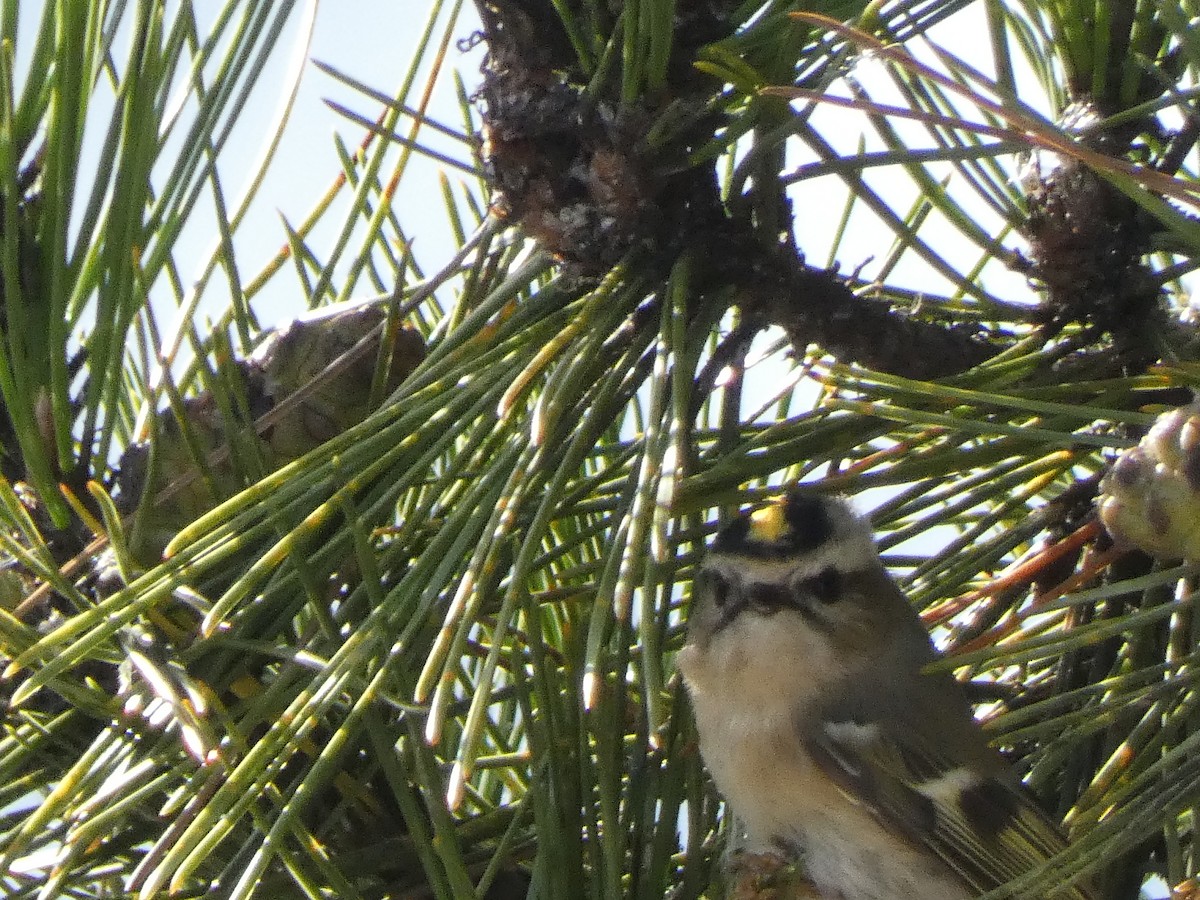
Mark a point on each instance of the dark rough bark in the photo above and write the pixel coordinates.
(581, 173)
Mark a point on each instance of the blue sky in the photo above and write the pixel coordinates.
(306, 162)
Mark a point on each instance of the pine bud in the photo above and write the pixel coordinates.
(1150, 499)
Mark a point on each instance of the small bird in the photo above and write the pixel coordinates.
(831, 743)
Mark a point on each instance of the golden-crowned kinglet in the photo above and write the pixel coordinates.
(829, 740)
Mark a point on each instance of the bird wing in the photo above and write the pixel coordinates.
(987, 831)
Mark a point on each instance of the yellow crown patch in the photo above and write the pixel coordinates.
(769, 524)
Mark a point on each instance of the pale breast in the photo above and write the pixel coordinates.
(784, 802)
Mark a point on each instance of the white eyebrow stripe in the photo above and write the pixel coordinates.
(848, 553)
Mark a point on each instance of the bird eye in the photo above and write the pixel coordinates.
(714, 583)
(826, 585)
